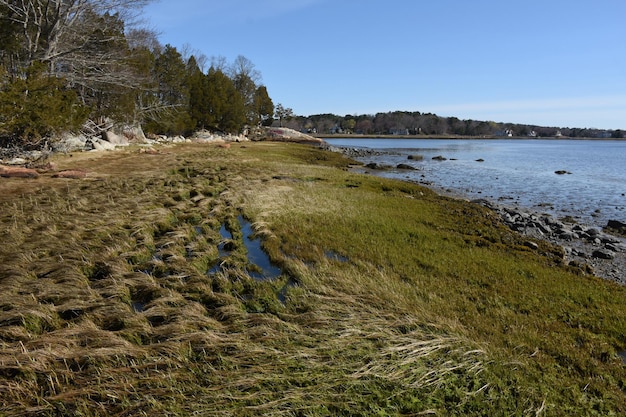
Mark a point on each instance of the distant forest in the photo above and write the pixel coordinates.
(416, 123)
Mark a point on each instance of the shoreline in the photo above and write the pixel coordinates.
(455, 137)
(603, 252)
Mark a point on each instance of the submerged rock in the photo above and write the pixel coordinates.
(603, 254)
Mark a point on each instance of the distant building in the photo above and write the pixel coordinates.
(398, 131)
(507, 133)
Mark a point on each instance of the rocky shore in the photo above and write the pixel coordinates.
(601, 252)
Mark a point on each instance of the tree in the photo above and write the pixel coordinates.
(197, 85)
(172, 94)
(225, 107)
(51, 28)
(36, 106)
(348, 123)
(264, 107)
(245, 78)
(283, 113)
(81, 44)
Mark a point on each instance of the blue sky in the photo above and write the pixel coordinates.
(546, 62)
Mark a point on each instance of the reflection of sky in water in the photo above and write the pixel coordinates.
(520, 171)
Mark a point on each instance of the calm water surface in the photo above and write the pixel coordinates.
(517, 172)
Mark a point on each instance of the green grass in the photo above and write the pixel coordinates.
(393, 300)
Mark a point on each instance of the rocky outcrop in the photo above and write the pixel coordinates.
(283, 134)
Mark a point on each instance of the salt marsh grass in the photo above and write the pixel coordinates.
(392, 300)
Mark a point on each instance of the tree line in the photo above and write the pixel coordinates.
(416, 123)
(70, 65)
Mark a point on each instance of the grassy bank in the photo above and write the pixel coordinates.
(117, 296)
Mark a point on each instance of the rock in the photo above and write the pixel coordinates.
(286, 135)
(114, 138)
(416, 157)
(439, 158)
(102, 145)
(617, 226)
(567, 235)
(18, 172)
(72, 173)
(480, 160)
(134, 133)
(603, 254)
(406, 166)
(374, 165)
(149, 151)
(16, 161)
(70, 143)
(562, 172)
(531, 245)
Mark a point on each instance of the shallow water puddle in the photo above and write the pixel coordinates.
(264, 268)
(256, 254)
(226, 236)
(622, 356)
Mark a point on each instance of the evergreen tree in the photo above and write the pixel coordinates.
(263, 106)
(172, 94)
(225, 107)
(37, 106)
(197, 84)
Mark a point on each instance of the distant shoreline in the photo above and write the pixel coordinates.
(453, 137)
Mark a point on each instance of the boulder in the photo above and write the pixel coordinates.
(416, 157)
(374, 165)
(70, 143)
(439, 158)
(102, 145)
(114, 138)
(134, 133)
(562, 172)
(617, 225)
(406, 166)
(17, 172)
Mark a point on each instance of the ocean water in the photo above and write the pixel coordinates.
(518, 172)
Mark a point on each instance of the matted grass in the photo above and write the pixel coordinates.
(393, 300)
